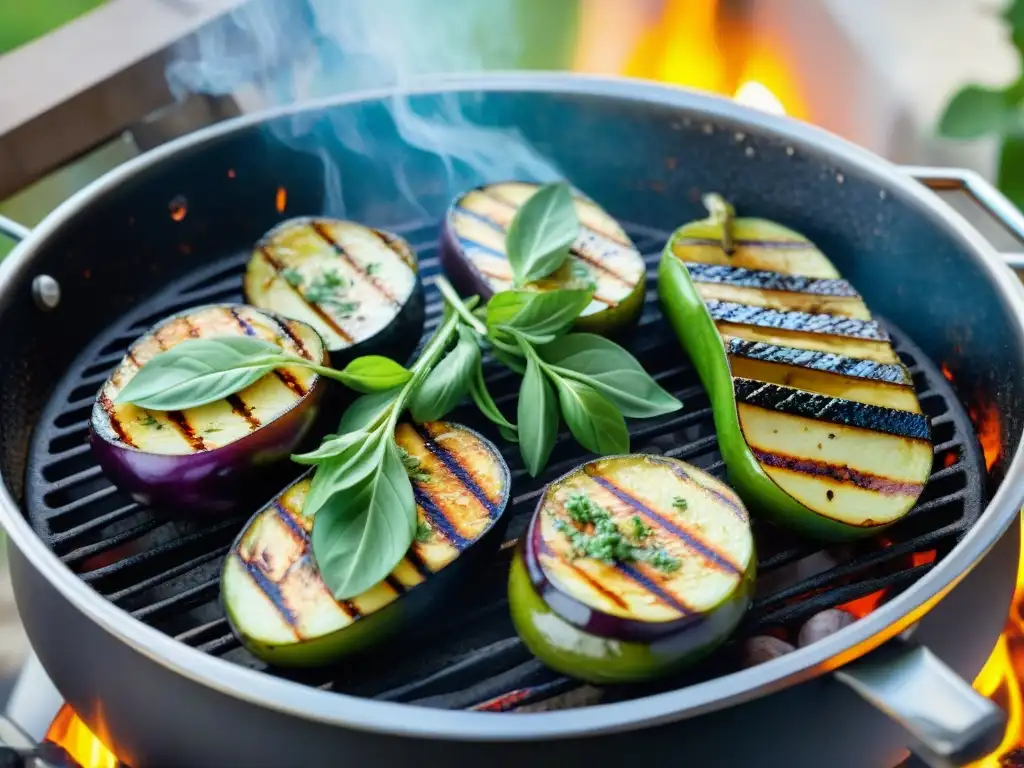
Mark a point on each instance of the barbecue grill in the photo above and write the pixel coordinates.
(172, 230)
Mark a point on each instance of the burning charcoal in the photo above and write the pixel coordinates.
(823, 624)
(762, 648)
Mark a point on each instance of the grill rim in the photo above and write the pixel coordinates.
(391, 718)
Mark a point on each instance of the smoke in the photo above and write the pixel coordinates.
(288, 51)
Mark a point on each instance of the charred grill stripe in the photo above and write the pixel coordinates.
(178, 419)
(284, 376)
(115, 423)
(286, 517)
(130, 354)
(350, 607)
(826, 362)
(392, 242)
(395, 584)
(438, 519)
(600, 232)
(594, 584)
(272, 591)
(804, 322)
(414, 557)
(451, 462)
(795, 245)
(693, 540)
(841, 474)
(833, 410)
(720, 497)
(655, 589)
(314, 308)
(358, 268)
(598, 264)
(242, 323)
(768, 281)
(239, 407)
(466, 244)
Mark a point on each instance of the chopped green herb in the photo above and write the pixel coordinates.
(328, 290)
(641, 531)
(292, 277)
(607, 542)
(147, 420)
(211, 430)
(582, 275)
(372, 268)
(679, 502)
(424, 532)
(413, 467)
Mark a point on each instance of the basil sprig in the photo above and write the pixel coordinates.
(201, 371)
(361, 496)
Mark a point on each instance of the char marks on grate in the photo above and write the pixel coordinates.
(165, 572)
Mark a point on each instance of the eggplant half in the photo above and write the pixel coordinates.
(633, 567)
(358, 287)
(817, 419)
(215, 457)
(602, 259)
(281, 609)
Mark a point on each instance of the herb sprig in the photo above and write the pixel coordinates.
(361, 496)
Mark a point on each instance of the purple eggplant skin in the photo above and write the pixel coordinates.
(622, 647)
(219, 480)
(614, 322)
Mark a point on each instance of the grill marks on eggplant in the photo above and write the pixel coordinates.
(219, 423)
(832, 410)
(603, 257)
(272, 589)
(688, 514)
(823, 403)
(348, 281)
(800, 322)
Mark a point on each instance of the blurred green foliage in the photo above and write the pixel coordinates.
(976, 111)
(25, 20)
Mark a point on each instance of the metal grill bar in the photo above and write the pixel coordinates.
(166, 572)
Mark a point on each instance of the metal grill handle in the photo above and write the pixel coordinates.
(950, 722)
(984, 193)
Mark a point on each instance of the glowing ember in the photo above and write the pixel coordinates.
(281, 200)
(757, 95)
(231, 173)
(179, 208)
(946, 372)
(985, 418)
(71, 734)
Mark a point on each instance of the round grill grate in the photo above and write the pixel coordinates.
(165, 572)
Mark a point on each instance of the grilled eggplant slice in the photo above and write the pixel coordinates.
(632, 567)
(817, 419)
(215, 457)
(358, 287)
(603, 258)
(282, 611)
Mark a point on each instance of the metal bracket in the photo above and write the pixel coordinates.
(984, 194)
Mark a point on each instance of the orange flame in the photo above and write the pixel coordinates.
(69, 733)
(179, 208)
(985, 418)
(281, 200)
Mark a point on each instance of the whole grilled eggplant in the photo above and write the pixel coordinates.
(817, 418)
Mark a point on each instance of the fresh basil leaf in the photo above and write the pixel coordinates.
(359, 536)
(541, 316)
(332, 446)
(541, 233)
(611, 370)
(201, 371)
(448, 383)
(482, 397)
(538, 417)
(373, 373)
(596, 424)
(366, 411)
